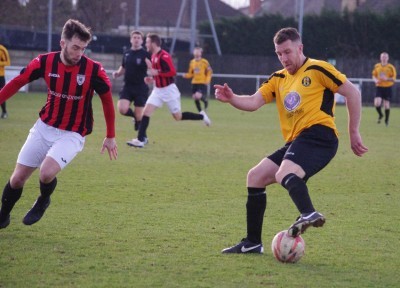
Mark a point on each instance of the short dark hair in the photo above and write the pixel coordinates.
(288, 33)
(154, 38)
(75, 28)
(137, 32)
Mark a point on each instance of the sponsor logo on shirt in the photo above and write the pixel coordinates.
(292, 101)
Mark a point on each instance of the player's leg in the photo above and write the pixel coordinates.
(4, 110)
(260, 176)
(13, 191)
(309, 153)
(204, 96)
(173, 101)
(3, 105)
(378, 103)
(29, 159)
(197, 96)
(124, 108)
(139, 101)
(65, 146)
(124, 102)
(386, 104)
(155, 101)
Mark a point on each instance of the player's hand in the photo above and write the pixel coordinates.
(152, 72)
(111, 145)
(223, 93)
(356, 144)
(148, 80)
(114, 74)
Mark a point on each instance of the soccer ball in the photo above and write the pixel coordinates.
(287, 249)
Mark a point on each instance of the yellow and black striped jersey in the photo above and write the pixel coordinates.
(4, 59)
(305, 98)
(384, 71)
(200, 71)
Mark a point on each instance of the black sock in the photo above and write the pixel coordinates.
(137, 125)
(198, 106)
(298, 191)
(3, 107)
(191, 116)
(8, 200)
(255, 208)
(205, 104)
(387, 113)
(130, 113)
(379, 110)
(143, 128)
(46, 189)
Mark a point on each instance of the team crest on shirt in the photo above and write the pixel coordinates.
(306, 81)
(80, 79)
(292, 101)
(138, 61)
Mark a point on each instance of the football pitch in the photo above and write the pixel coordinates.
(159, 216)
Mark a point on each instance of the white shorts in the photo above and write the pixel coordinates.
(169, 95)
(44, 140)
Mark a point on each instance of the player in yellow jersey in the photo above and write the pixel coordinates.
(304, 95)
(384, 75)
(4, 61)
(201, 72)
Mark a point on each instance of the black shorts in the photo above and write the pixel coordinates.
(312, 150)
(137, 94)
(202, 88)
(384, 92)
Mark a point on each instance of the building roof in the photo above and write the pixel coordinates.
(288, 8)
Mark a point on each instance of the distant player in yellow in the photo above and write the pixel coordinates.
(384, 75)
(304, 94)
(4, 61)
(201, 72)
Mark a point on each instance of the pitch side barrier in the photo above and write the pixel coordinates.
(259, 79)
(12, 71)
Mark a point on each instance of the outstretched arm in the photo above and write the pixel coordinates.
(353, 101)
(109, 142)
(119, 72)
(225, 94)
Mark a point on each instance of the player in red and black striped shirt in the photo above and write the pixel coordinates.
(165, 91)
(64, 121)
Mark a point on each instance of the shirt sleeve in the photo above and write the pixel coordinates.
(267, 89)
(167, 67)
(109, 113)
(32, 72)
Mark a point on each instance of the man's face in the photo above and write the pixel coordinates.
(136, 41)
(149, 45)
(72, 50)
(289, 54)
(197, 53)
(384, 58)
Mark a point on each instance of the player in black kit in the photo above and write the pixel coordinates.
(134, 68)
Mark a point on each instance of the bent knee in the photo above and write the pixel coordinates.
(258, 178)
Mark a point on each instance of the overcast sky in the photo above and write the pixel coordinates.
(237, 3)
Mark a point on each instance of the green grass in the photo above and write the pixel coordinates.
(159, 216)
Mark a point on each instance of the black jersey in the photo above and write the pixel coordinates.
(135, 66)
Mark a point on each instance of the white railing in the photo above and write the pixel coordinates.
(12, 71)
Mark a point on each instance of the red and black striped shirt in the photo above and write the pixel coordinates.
(163, 63)
(70, 92)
